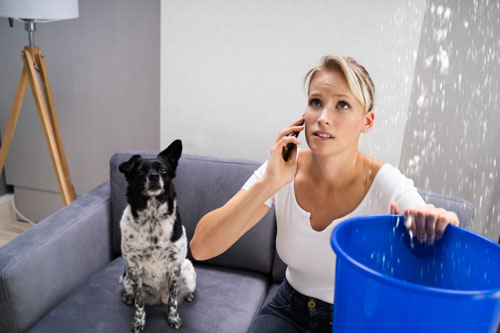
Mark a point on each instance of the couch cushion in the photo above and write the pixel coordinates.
(204, 184)
(226, 300)
(273, 289)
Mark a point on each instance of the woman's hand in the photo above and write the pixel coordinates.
(278, 172)
(427, 223)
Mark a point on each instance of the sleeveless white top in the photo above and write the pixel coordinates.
(307, 252)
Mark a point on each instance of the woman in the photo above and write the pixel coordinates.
(313, 191)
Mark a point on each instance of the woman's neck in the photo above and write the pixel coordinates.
(335, 173)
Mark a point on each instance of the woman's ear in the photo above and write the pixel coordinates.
(368, 123)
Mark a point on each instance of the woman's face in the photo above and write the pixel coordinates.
(334, 118)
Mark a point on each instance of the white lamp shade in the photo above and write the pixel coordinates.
(39, 10)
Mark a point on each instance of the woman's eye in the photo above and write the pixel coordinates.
(343, 105)
(315, 102)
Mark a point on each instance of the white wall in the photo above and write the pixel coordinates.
(232, 71)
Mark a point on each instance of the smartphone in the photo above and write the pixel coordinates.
(288, 149)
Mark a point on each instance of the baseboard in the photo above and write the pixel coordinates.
(7, 214)
(37, 204)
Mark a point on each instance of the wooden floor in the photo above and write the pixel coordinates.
(12, 230)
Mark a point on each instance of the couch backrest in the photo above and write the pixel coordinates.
(204, 184)
(463, 209)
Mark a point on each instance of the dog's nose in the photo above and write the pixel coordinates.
(154, 177)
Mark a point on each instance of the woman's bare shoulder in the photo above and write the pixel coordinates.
(372, 164)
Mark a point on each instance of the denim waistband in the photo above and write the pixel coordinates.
(299, 298)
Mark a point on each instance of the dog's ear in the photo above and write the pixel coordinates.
(127, 167)
(172, 153)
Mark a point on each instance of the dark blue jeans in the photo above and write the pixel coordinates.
(290, 311)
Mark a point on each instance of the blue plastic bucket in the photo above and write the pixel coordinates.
(387, 282)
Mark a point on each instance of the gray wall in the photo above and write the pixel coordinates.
(3, 186)
(104, 72)
(232, 71)
(453, 130)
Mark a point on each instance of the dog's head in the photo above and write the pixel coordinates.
(152, 177)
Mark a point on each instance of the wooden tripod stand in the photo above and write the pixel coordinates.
(32, 55)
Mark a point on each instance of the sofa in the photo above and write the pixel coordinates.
(62, 275)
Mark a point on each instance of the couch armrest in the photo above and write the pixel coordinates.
(42, 266)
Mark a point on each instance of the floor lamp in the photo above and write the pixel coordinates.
(30, 12)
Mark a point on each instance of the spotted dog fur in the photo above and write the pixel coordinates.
(154, 243)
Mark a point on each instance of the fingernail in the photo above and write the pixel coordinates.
(408, 221)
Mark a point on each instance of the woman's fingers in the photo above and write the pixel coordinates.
(299, 121)
(420, 220)
(284, 141)
(443, 220)
(394, 210)
(409, 219)
(280, 172)
(296, 126)
(428, 223)
(289, 131)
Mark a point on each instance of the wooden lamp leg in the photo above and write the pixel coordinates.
(65, 186)
(44, 78)
(48, 119)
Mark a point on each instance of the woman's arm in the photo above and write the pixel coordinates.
(221, 228)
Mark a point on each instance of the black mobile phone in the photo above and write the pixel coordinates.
(288, 149)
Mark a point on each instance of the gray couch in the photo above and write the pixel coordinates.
(62, 275)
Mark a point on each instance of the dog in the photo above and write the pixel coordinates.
(153, 240)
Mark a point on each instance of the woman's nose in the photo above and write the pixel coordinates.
(324, 117)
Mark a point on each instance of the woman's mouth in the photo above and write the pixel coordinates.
(323, 135)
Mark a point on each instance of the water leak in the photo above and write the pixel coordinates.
(453, 129)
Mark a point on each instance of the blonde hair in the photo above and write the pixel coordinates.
(357, 77)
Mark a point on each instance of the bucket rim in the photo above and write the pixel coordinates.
(483, 293)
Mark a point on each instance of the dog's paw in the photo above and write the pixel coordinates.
(137, 326)
(139, 321)
(189, 297)
(128, 299)
(174, 321)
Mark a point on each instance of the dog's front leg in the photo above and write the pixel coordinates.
(134, 273)
(173, 318)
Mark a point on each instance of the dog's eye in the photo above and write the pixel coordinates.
(163, 170)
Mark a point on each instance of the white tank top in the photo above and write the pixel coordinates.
(307, 252)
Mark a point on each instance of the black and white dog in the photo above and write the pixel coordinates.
(154, 243)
